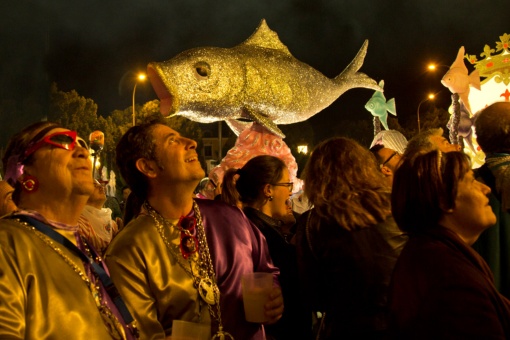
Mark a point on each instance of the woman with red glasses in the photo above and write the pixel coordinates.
(264, 190)
(52, 284)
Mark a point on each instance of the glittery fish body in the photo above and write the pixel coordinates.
(379, 107)
(258, 80)
(458, 81)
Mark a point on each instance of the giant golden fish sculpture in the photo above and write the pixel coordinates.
(258, 80)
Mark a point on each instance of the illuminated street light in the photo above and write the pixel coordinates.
(141, 77)
(302, 148)
(433, 67)
(429, 97)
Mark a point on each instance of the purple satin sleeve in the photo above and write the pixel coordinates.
(237, 247)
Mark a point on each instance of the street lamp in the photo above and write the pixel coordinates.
(429, 97)
(302, 148)
(433, 67)
(140, 77)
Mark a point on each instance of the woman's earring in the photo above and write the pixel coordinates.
(270, 198)
(29, 184)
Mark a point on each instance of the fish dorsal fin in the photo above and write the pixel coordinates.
(266, 38)
(459, 61)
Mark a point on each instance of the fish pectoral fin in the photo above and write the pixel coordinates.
(237, 126)
(265, 122)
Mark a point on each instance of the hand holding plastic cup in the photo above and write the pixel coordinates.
(256, 290)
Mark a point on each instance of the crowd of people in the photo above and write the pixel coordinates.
(402, 240)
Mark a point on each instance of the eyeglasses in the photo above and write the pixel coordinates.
(64, 139)
(189, 243)
(285, 184)
(389, 158)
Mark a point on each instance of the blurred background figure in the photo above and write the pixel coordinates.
(348, 242)
(391, 139)
(126, 190)
(96, 223)
(492, 126)
(263, 187)
(441, 288)
(112, 202)
(388, 147)
(388, 160)
(428, 140)
(201, 187)
(7, 205)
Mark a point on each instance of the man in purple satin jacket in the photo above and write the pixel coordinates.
(169, 261)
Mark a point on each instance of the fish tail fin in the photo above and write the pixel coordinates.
(391, 107)
(474, 79)
(352, 77)
(358, 60)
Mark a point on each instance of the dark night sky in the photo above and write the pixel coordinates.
(96, 46)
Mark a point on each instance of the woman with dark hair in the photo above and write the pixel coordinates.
(263, 187)
(52, 284)
(229, 193)
(441, 288)
(348, 243)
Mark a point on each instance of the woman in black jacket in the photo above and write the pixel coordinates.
(264, 190)
(348, 243)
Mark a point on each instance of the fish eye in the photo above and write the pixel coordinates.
(203, 70)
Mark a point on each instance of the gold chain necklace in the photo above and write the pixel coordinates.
(205, 281)
(114, 327)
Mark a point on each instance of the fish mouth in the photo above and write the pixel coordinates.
(167, 100)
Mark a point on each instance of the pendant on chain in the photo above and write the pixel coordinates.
(208, 291)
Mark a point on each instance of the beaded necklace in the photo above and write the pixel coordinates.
(114, 327)
(204, 280)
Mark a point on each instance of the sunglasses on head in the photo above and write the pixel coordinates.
(64, 139)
